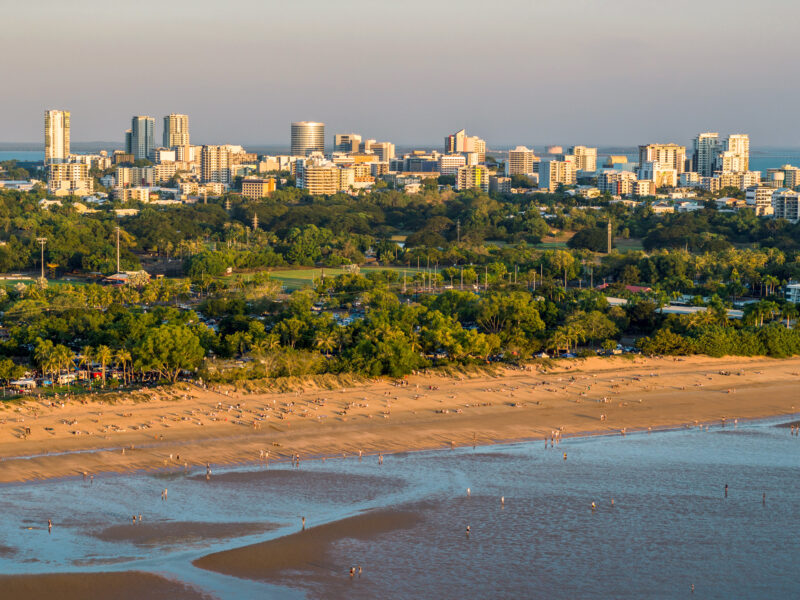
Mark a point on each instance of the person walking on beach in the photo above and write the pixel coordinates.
(565, 456)
(359, 571)
(134, 519)
(49, 525)
(468, 530)
(352, 572)
(726, 490)
(304, 523)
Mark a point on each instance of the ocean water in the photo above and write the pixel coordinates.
(21, 155)
(670, 526)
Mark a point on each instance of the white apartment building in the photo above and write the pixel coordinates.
(662, 176)
(585, 158)
(706, 147)
(56, 136)
(759, 198)
(555, 172)
(69, 179)
(449, 164)
(461, 142)
(215, 164)
(671, 156)
(176, 131)
(785, 205)
(521, 161)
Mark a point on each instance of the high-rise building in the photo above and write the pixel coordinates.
(461, 142)
(215, 164)
(553, 173)
(346, 142)
(176, 130)
(660, 175)
(384, 150)
(520, 161)
(307, 137)
(56, 136)
(140, 138)
(706, 147)
(585, 158)
(759, 198)
(471, 177)
(669, 156)
(738, 148)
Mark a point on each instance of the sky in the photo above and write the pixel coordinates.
(533, 72)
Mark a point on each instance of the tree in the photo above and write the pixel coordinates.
(103, 356)
(169, 349)
(123, 357)
(590, 238)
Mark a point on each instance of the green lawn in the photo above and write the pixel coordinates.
(295, 279)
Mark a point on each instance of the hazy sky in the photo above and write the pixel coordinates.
(531, 72)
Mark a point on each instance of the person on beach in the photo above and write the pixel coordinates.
(134, 519)
(764, 499)
(468, 530)
(49, 525)
(726, 490)
(468, 492)
(359, 570)
(352, 572)
(594, 507)
(304, 523)
(502, 500)
(565, 456)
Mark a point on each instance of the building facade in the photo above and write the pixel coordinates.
(473, 177)
(307, 137)
(553, 173)
(670, 156)
(215, 164)
(520, 161)
(56, 136)
(176, 130)
(140, 138)
(585, 158)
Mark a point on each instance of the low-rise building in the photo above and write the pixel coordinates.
(785, 205)
(759, 198)
(472, 177)
(253, 187)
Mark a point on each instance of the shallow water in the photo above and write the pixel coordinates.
(670, 525)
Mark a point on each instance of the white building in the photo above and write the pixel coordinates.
(585, 158)
(471, 177)
(553, 173)
(760, 200)
(521, 161)
(449, 164)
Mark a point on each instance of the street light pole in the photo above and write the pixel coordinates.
(42, 241)
(117, 228)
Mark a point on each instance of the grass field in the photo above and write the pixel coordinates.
(295, 279)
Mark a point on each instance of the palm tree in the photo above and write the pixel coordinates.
(104, 355)
(85, 360)
(326, 342)
(789, 311)
(123, 357)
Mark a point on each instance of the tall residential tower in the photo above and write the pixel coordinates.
(176, 131)
(56, 136)
(140, 138)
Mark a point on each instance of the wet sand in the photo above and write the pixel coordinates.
(179, 533)
(133, 585)
(307, 556)
(186, 426)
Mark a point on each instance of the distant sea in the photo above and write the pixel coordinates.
(21, 155)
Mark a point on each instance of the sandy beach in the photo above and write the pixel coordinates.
(187, 426)
(131, 585)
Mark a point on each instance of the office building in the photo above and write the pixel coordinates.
(616, 183)
(215, 164)
(383, 150)
(499, 185)
(346, 142)
(669, 156)
(461, 142)
(585, 158)
(473, 177)
(553, 173)
(56, 136)
(520, 161)
(307, 137)
(140, 138)
(176, 131)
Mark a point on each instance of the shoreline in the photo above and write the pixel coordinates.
(186, 428)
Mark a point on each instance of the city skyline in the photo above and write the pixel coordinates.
(530, 73)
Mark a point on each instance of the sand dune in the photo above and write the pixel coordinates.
(186, 427)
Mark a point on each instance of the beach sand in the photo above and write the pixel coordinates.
(307, 555)
(132, 585)
(185, 427)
